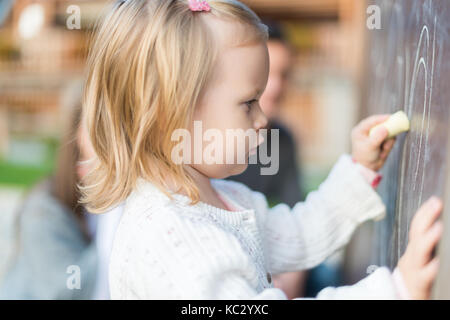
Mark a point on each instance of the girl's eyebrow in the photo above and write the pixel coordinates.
(254, 93)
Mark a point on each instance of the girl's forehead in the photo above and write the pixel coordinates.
(237, 60)
(241, 67)
(228, 33)
(221, 31)
(251, 57)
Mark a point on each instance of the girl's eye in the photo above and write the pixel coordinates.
(250, 103)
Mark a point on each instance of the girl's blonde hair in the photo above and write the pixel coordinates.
(147, 68)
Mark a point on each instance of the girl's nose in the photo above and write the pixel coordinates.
(261, 120)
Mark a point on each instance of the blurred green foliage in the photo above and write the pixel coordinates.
(22, 175)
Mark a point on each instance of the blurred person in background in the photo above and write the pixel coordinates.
(52, 234)
(56, 238)
(283, 187)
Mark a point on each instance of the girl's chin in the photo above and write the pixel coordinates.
(239, 168)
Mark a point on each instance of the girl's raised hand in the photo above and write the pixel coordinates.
(373, 151)
(417, 266)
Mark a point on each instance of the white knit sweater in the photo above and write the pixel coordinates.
(167, 249)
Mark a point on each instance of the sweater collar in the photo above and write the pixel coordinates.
(230, 217)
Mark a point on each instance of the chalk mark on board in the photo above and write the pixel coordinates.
(423, 145)
(423, 138)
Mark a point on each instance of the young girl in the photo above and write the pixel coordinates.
(159, 65)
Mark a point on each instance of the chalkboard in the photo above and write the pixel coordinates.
(408, 68)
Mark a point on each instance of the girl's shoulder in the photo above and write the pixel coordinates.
(146, 196)
(148, 209)
(147, 200)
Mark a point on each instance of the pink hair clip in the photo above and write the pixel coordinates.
(199, 5)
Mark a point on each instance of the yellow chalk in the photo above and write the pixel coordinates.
(396, 124)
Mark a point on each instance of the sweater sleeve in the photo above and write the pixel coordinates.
(379, 285)
(305, 236)
(177, 257)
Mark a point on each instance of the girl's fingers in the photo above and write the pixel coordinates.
(389, 144)
(430, 241)
(385, 152)
(384, 155)
(386, 148)
(379, 137)
(365, 125)
(430, 271)
(370, 122)
(425, 216)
